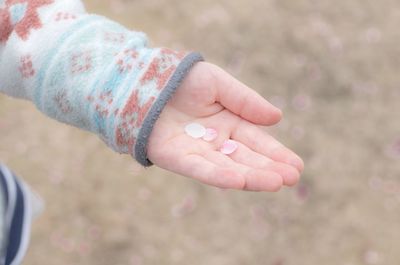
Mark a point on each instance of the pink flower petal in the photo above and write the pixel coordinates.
(195, 130)
(211, 135)
(228, 147)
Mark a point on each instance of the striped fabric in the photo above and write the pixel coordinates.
(16, 217)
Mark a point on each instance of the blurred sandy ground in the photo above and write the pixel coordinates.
(333, 66)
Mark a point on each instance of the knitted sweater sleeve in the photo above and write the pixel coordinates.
(87, 71)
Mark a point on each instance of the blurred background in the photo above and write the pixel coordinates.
(332, 66)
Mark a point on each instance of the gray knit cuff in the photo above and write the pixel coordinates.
(180, 73)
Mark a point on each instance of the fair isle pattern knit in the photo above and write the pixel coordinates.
(87, 71)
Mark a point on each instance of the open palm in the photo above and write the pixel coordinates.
(215, 99)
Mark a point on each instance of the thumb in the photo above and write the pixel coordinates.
(242, 100)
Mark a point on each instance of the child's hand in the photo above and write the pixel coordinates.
(215, 99)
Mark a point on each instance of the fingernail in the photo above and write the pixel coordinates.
(297, 163)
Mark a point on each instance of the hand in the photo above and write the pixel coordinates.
(211, 97)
